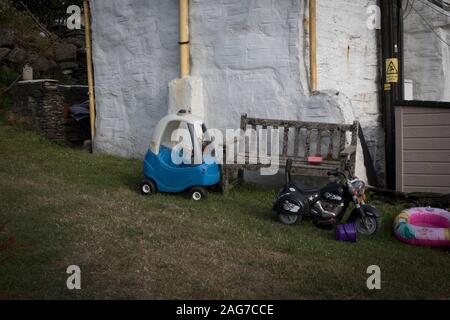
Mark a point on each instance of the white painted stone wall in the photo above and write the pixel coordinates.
(349, 60)
(135, 48)
(252, 57)
(427, 57)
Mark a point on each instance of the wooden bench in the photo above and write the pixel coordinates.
(298, 141)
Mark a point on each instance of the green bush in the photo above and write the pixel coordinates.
(12, 18)
(7, 76)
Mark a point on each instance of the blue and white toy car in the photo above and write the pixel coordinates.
(160, 171)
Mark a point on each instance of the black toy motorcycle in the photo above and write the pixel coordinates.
(327, 206)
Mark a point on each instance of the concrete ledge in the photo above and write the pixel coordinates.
(187, 94)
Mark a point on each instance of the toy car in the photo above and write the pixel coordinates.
(163, 175)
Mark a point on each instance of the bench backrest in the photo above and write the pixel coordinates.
(310, 138)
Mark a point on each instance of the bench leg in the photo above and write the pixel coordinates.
(241, 176)
(225, 180)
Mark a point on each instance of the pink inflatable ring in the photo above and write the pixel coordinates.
(423, 227)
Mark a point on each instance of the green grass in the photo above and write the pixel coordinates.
(67, 207)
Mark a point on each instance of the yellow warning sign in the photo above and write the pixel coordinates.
(392, 70)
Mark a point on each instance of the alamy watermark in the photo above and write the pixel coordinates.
(73, 282)
(74, 19)
(251, 146)
(373, 21)
(374, 280)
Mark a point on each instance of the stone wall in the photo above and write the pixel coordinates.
(349, 61)
(135, 47)
(41, 104)
(252, 57)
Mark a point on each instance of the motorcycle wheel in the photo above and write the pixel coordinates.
(372, 220)
(289, 219)
(367, 227)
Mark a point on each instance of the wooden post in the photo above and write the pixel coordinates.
(313, 44)
(184, 39)
(90, 71)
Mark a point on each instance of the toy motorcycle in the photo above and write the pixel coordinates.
(327, 206)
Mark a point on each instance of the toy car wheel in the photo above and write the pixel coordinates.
(148, 187)
(198, 193)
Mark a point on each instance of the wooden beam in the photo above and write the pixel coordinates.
(185, 68)
(313, 44)
(90, 69)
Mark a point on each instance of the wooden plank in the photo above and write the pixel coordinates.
(285, 141)
(299, 124)
(320, 172)
(301, 163)
(308, 171)
(426, 144)
(426, 180)
(430, 156)
(427, 132)
(355, 133)
(426, 168)
(296, 142)
(421, 110)
(428, 120)
(308, 143)
(313, 44)
(330, 145)
(281, 160)
(244, 121)
(399, 154)
(319, 142)
(225, 179)
(342, 139)
(90, 66)
(441, 190)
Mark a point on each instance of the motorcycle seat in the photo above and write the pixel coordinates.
(307, 191)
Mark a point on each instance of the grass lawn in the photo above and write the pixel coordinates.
(60, 207)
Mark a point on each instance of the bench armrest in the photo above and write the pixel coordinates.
(348, 151)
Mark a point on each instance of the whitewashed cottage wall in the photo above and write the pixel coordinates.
(252, 57)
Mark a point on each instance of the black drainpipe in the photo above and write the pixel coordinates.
(392, 47)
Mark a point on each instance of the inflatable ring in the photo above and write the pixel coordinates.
(423, 227)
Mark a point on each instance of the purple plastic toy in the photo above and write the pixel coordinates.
(346, 232)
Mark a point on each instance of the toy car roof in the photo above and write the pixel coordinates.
(160, 129)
